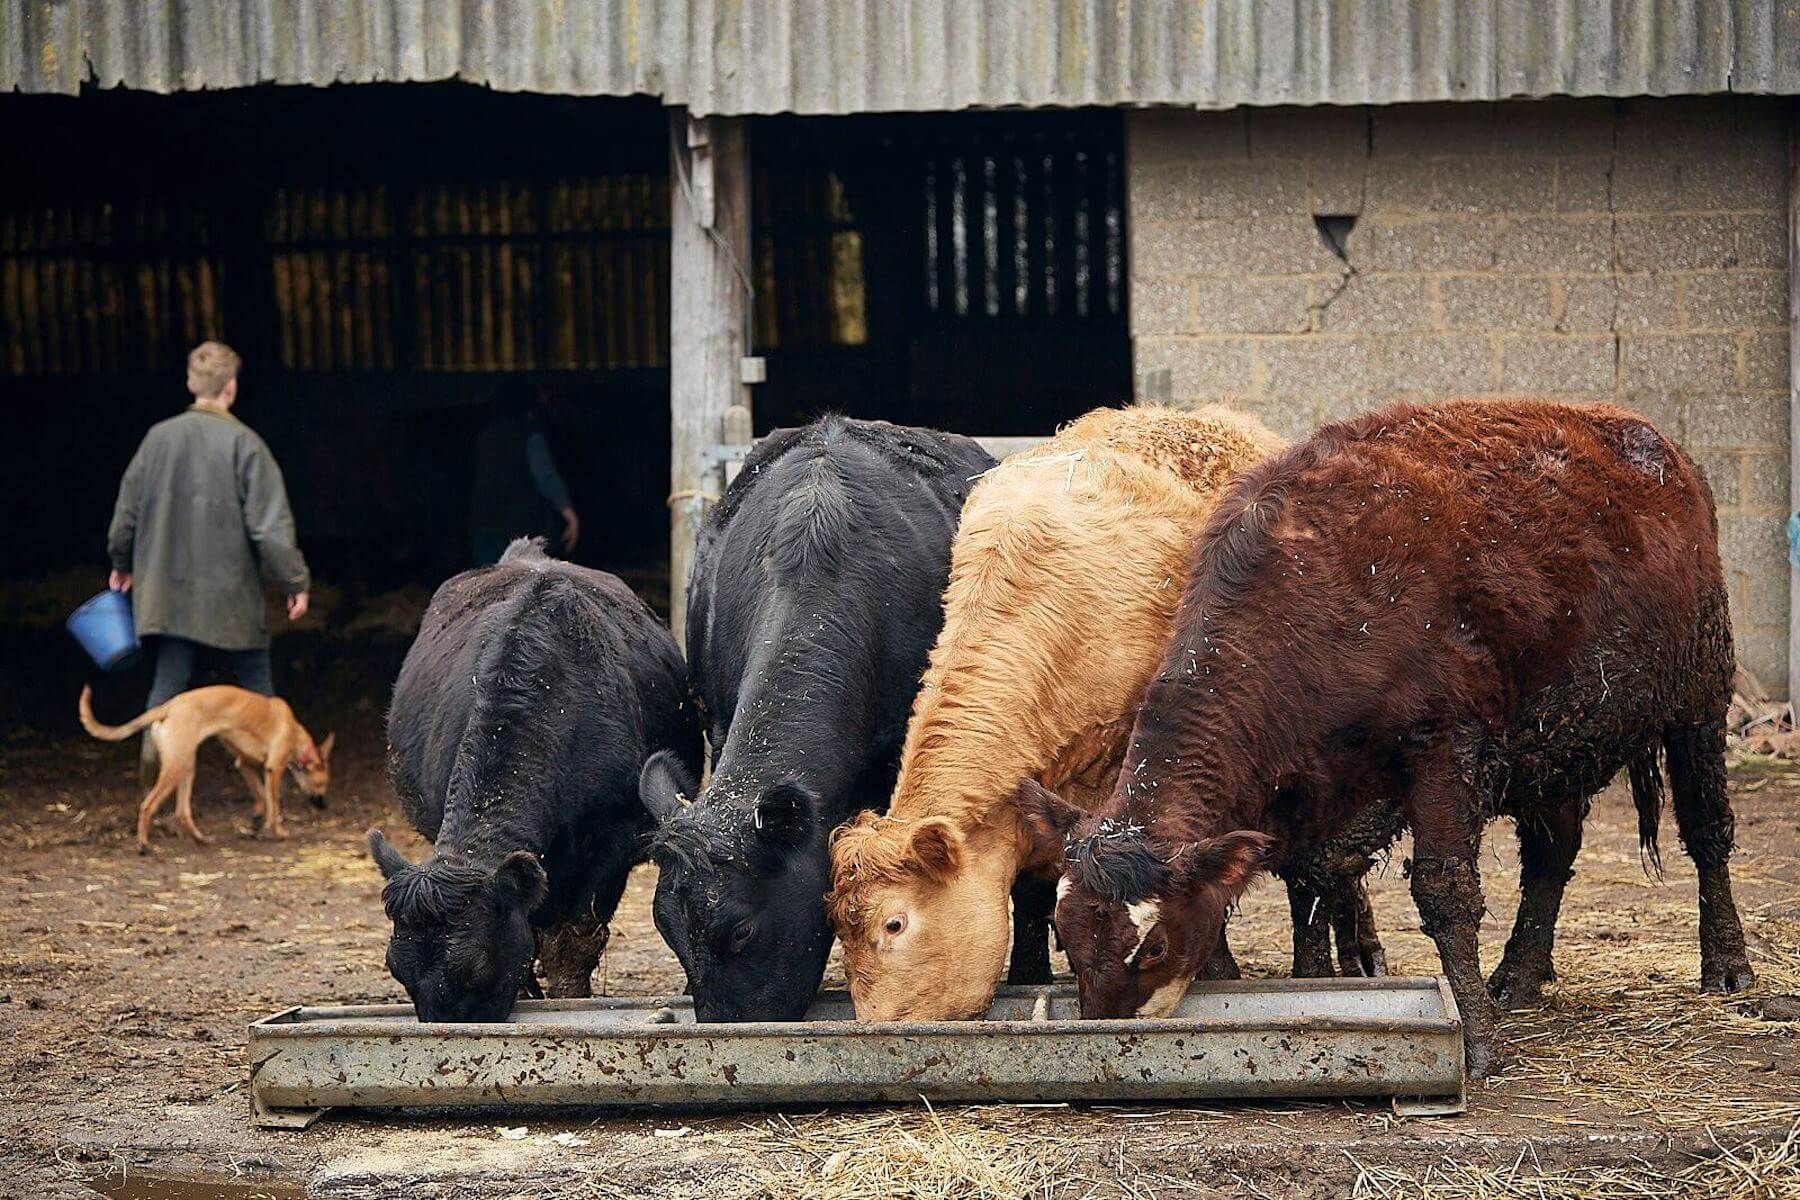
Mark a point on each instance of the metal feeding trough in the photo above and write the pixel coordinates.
(1238, 1040)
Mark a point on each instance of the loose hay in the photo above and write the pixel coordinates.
(928, 1155)
(1747, 1171)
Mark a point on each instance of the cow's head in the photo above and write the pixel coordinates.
(1137, 920)
(462, 944)
(739, 893)
(922, 912)
(311, 768)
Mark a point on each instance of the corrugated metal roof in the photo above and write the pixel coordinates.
(840, 56)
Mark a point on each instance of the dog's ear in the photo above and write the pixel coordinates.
(390, 860)
(326, 745)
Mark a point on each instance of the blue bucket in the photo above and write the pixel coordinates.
(104, 628)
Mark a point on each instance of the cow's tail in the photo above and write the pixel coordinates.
(1647, 796)
(115, 733)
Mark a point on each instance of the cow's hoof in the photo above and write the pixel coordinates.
(568, 989)
(1516, 987)
(1726, 978)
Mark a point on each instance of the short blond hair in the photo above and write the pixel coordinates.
(211, 365)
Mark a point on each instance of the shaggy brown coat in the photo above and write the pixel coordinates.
(1428, 617)
(1064, 578)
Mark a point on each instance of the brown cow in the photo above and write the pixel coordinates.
(1064, 578)
(1423, 617)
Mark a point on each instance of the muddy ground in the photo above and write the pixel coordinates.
(126, 984)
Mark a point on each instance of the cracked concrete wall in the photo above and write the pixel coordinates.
(1633, 252)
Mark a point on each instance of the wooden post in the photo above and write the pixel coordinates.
(1793, 672)
(709, 303)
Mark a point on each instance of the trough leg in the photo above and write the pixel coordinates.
(1033, 901)
(1359, 948)
(1696, 756)
(1548, 843)
(1446, 885)
(1312, 912)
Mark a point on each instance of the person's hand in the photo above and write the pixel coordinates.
(296, 605)
(119, 581)
(571, 530)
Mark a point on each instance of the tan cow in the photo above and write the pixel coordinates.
(1064, 579)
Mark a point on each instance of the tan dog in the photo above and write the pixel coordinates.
(256, 729)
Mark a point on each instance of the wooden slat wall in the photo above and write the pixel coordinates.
(1028, 229)
(102, 287)
(568, 274)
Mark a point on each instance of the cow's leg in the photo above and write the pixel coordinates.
(1033, 900)
(1446, 819)
(1222, 964)
(1548, 843)
(1359, 948)
(1311, 911)
(569, 952)
(1696, 756)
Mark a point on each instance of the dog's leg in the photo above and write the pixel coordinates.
(272, 803)
(253, 781)
(184, 810)
(154, 799)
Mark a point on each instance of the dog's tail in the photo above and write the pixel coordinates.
(115, 733)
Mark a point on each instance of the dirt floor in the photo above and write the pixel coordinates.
(126, 984)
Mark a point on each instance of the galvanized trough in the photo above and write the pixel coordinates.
(1243, 1039)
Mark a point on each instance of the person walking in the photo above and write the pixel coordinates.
(516, 485)
(202, 517)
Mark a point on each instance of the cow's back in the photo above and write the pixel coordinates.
(1525, 567)
(539, 662)
(1065, 576)
(851, 521)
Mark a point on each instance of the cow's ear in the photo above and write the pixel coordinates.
(519, 880)
(784, 816)
(1047, 818)
(390, 860)
(665, 786)
(1227, 863)
(935, 847)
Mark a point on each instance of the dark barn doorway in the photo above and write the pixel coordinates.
(385, 259)
(960, 270)
(388, 257)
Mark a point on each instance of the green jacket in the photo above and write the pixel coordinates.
(201, 507)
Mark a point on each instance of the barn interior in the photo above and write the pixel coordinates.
(388, 259)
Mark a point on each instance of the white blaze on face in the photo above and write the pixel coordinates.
(1144, 914)
(1165, 999)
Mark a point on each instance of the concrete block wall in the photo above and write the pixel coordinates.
(1632, 252)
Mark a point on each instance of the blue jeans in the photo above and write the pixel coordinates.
(175, 667)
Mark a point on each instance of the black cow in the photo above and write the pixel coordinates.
(524, 711)
(816, 594)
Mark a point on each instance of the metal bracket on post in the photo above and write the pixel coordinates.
(700, 171)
